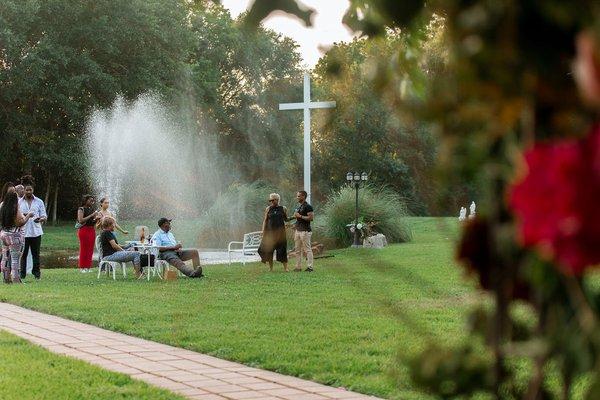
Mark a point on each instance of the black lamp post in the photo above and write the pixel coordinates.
(355, 178)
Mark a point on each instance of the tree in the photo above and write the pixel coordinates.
(365, 133)
(61, 58)
(238, 77)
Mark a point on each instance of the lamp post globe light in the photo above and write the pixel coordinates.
(355, 179)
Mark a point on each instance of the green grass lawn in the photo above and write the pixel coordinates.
(342, 325)
(60, 237)
(28, 371)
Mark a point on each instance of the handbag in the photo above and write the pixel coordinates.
(77, 224)
(144, 260)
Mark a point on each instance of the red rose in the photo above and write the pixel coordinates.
(557, 204)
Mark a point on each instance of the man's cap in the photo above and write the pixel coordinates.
(163, 220)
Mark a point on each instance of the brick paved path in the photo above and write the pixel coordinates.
(191, 374)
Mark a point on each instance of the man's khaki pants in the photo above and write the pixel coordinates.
(302, 244)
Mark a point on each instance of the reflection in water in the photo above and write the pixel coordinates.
(51, 259)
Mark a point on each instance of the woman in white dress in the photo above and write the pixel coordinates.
(104, 204)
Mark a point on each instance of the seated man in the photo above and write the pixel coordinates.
(171, 252)
(112, 251)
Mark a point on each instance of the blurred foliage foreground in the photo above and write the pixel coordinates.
(511, 103)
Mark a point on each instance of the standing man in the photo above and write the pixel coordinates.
(33, 227)
(304, 214)
(171, 251)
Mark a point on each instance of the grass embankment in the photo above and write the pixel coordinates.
(342, 325)
(29, 372)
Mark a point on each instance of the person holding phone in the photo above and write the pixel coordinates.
(304, 214)
(87, 217)
(12, 237)
(33, 231)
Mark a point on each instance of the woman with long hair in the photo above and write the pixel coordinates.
(105, 212)
(7, 188)
(12, 237)
(86, 217)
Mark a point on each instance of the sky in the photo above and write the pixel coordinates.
(327, 25)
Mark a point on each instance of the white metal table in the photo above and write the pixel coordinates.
(148, 249)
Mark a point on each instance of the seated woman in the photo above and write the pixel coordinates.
(111, 251)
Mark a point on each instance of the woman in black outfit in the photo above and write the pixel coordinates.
(274, 239)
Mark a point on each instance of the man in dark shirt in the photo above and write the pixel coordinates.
(304, 214)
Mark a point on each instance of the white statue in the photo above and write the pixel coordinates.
(375, 242)
(472, 208)
(463, 214)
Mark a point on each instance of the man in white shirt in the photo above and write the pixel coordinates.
(33, 230)
(171, 251)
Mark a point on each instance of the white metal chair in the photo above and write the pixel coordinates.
(250, 245)
(108, 265)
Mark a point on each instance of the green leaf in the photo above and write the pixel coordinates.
(262, 8)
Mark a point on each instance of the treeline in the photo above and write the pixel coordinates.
(61, 59)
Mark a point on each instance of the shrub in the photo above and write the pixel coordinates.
(380, 206)
(237, 211)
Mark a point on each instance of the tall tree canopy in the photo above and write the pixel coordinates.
(238, 76)
(364, 134)
(61, 58)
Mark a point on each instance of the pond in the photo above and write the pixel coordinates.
(51, 259)
(59, 258)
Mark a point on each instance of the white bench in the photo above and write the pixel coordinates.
(249, 245)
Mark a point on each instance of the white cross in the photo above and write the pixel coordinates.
(306, 106)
